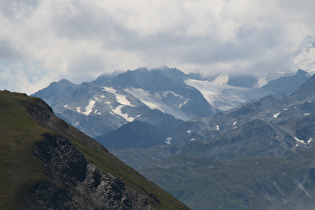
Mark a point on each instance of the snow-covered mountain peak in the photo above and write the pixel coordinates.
(272, 76)
(163, 97)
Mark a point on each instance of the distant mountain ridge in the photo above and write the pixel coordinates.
(162, 97)
(264, 147)
(272, 108)
(159, 97)
(287, 84)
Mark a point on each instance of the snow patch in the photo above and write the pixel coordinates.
(79, 109)
(234, 125)
(118, 112)
(110, 90)
(185, 102)
(168, 140)
(261, 82)
(285, 109)
(96, 112)
(89, 107)
(306, 114)
(97, 99)
(310, 140)
(276, 115)
(188, 132)
(66, 106)
(298, 140)
(193, 139)
(218, 127)
(165, 93)
(121, 98)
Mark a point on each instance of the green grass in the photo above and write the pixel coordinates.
(20, 170)
(18, 133)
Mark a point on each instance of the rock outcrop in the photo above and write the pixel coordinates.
(73, 183)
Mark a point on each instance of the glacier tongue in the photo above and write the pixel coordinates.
(154, 101)
(225, 97)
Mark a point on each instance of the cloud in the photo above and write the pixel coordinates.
(8, 53)
(80, 39)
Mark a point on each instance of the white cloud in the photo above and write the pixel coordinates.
(81, 39)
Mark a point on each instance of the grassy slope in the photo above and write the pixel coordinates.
(18, 132)
(19, 169)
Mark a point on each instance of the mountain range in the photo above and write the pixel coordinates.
(266, 138)
(45, 163)
(162, 97)
(209, 143)
(281, 122)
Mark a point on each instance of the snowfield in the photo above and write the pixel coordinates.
(225, 97)
(122, 99)
(155, 102)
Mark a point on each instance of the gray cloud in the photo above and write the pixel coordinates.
(81, 39)
(8, 53)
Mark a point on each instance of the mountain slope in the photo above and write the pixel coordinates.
(255, 183)
(57, 92)
(158, 96)
(47, 163)
(287, 84)
(162, 97)
(255, 139)
(256, 156)
(134, 135)
(274, 113)
(272, 108)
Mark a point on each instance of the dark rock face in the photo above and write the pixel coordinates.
(136, 134)
(58, 151)
(73, 183)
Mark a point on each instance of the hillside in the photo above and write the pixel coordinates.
(249, 183)
(46, 163)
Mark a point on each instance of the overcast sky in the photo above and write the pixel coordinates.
(42, 41)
